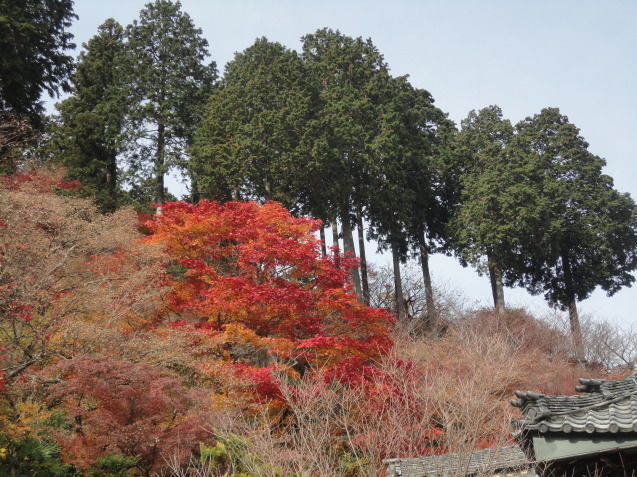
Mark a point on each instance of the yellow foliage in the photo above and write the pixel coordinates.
(24, 419)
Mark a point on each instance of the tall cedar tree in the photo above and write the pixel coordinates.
(168, 81)
(33, 39)
(348, 73)
(92, 119)
(495, 198)
(250, 143)
(410, 193)
(388, 200)
(586, 235)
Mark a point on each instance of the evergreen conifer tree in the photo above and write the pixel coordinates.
(250, 142)
(585, 232)
(167, 82)
(487, 228)
(349, 73)
(33, 39)
(89, 138)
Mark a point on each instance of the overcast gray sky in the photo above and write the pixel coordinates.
(578, 55)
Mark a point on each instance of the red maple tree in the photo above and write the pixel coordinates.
(253, 275)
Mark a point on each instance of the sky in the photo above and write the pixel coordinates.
(577, 55)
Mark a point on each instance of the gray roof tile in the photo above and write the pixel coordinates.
(604, 407)
(511, 460)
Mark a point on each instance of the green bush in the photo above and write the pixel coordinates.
(114, 465)
(32, 458)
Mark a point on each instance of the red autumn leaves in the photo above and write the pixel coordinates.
(246, 268)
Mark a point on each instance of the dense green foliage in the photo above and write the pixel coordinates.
(348, 72)
(537, 211)
(251, 142)
(136, 98)
(32, 457)
(586, 222)
(89, 139)
(488, 224)
(167, 81)
(410, 193)
(585, 232)
(34, 38)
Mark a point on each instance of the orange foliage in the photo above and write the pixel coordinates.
(255, 276)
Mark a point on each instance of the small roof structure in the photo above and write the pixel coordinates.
(502, 461)
(591, 433)
(595, 431)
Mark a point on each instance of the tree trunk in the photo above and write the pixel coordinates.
(573, 316)
(337, 254)
(431, 316)
(497, 284)
(195, 193)
(494, 292)
(159, 166)
(111, 176)
(499, 287)
(363, 257)
(401, 312)
(323, 246)
(348, 246)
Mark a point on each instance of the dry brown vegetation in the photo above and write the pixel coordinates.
(454, 397)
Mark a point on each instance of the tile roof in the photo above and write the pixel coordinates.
(509, 459)
(603, 407)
